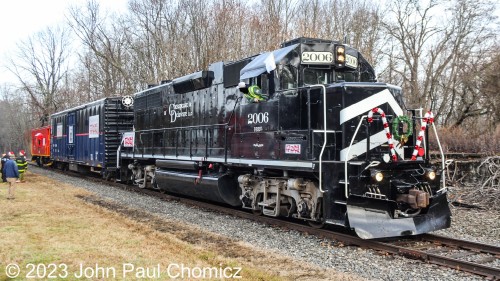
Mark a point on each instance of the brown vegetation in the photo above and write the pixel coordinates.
(476, 183)
(459, 139)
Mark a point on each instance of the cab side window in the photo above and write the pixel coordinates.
(288, 77)
(266, 83)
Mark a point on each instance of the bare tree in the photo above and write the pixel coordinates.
(16, 120)
(228, 31)
(170, 39)
(439, 60)
(491, 87)
(105, 46)
(411, 31)
(356, 21)
(40, 65)
(270, 24)
(460, 86)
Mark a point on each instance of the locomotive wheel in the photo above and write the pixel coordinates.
(321, 222)
(257, 212)
(155, 184)
(316, 224)
(108, 176)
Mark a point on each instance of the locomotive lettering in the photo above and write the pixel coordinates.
(317, 57)
(179, 110)
(258, 118)
(351, 61)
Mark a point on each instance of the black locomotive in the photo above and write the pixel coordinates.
(319, 149)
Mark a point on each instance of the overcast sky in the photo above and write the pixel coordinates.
(21, 18)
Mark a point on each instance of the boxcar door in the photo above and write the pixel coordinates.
(71, 136)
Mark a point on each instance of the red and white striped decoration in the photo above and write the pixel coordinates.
(428, 119)
(386, 129)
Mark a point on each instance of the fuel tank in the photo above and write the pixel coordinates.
(222, 188)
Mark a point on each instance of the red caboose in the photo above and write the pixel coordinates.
(40, 145)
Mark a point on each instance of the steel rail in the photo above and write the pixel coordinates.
(464, 244)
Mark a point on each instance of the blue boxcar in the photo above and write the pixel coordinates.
(87, 137)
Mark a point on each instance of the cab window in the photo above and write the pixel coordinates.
(317, 76)
(346, 76)
(288, 77)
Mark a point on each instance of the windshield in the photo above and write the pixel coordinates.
(317, 76)
(348, 76)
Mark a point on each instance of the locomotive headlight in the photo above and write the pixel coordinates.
(377, 176)
(431, 175)
(340, 57)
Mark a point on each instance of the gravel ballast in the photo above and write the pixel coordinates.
(470, 224)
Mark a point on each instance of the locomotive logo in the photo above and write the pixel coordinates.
(127, 101)
(179, 110)
(128, 139)
(292, 148)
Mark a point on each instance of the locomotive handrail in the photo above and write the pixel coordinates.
(185, 127)
(118, 155)
(346, 179)
(324, 138)
(443, 165)
(443, 175)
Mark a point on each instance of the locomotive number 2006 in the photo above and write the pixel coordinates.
(258, 118)
(317, 57)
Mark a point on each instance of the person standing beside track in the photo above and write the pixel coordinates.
(4, 159)
(22, 165)
(12, 174)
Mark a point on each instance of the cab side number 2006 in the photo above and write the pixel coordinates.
(258, 118)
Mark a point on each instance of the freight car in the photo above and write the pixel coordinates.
(319, 150)
(86, 138)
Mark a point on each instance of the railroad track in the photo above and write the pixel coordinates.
(429, 248)
(462, 255)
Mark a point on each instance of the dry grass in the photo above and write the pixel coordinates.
(48, 222)
(460, 140)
